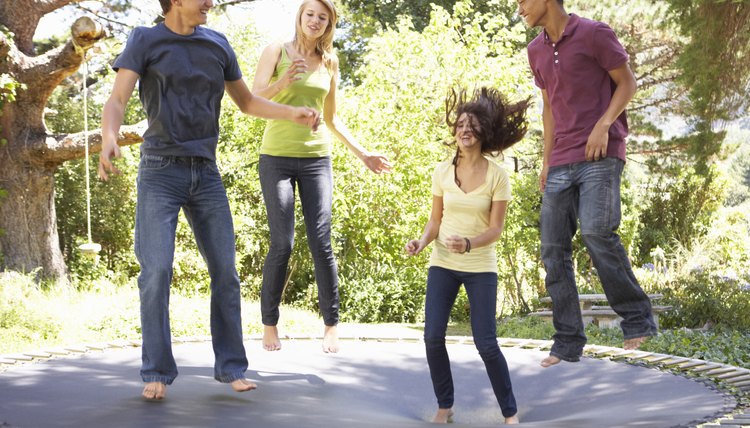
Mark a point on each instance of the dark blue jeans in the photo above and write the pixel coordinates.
(481, 288)
(588, 192)
(167, 184)
(279, 177)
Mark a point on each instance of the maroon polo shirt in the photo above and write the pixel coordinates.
(574, 72)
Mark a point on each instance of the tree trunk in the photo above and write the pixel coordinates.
(28, 226)
(28, 219)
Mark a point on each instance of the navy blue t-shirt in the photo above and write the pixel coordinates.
(181, 86)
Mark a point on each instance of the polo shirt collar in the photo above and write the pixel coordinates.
(570, 29)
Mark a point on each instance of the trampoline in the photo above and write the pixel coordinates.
(370, 383)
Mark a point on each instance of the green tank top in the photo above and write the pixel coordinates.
(289, 139)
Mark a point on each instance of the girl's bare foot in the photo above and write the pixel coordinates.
(242, 385)
(330, 340)
(443, 416)
(154, 391)
(271, 340)
(633, 343)
(513, 420)
(549, 361)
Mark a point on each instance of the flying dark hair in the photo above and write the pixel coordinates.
(499, 123)
(166, 5)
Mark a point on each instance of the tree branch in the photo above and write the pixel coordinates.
(102, 17)
(47, 6)
(62, 148)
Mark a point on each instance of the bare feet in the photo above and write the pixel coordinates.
(242, 385)
(513, 420)
(549, 361)
(330, 340)
(443, 416)
(271, 340)
(154, 391)
(633, 343)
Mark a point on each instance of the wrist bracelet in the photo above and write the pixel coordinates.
(468, 245)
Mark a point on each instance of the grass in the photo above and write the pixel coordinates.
(34, 317)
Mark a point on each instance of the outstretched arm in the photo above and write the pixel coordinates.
(261, 107)
(376, 162)
(112, 117)
(596, 147)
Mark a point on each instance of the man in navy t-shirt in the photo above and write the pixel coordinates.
(586, 83)
(183, 70)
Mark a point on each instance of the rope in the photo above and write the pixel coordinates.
(86, 146)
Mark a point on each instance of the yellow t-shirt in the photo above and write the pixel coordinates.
(287, 138)
(467, 214)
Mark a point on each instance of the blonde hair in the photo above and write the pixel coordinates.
(324, 45)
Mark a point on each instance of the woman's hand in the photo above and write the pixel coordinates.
(456, 244)
(377, 163)
(297, 68)
(414, 247)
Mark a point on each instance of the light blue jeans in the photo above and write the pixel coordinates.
(588, 192)
(279, 177)
(167, 184)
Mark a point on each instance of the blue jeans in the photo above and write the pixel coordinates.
(481, 288)
(279, 177)
(588, 192)
(167, 184)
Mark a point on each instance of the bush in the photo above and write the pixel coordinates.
(703, 298)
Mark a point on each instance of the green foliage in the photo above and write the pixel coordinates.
(20, 321)
(719, 41)
(720, 345)
(382, 298)
(739, 167)
(520, 276)
(526, 327)
(678, 211)
(364, 19)
(703, 298)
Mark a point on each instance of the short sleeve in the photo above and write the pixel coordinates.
(437, 176)
(532, 52)
(538, 81)
(232, 70)
(608, 51)
(502, 189)
(133, 56)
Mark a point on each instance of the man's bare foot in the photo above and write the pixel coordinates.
(634, 343)
(330, 340)
(513, 420)
(242, 385)
(443, 416)
(271, 340)
(549, 361)
(154, 391)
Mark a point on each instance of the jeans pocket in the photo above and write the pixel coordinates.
(154, 162)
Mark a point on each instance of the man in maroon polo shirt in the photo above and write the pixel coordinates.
(586, 83)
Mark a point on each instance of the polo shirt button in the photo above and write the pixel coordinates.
(556, 61)
(556, 52)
